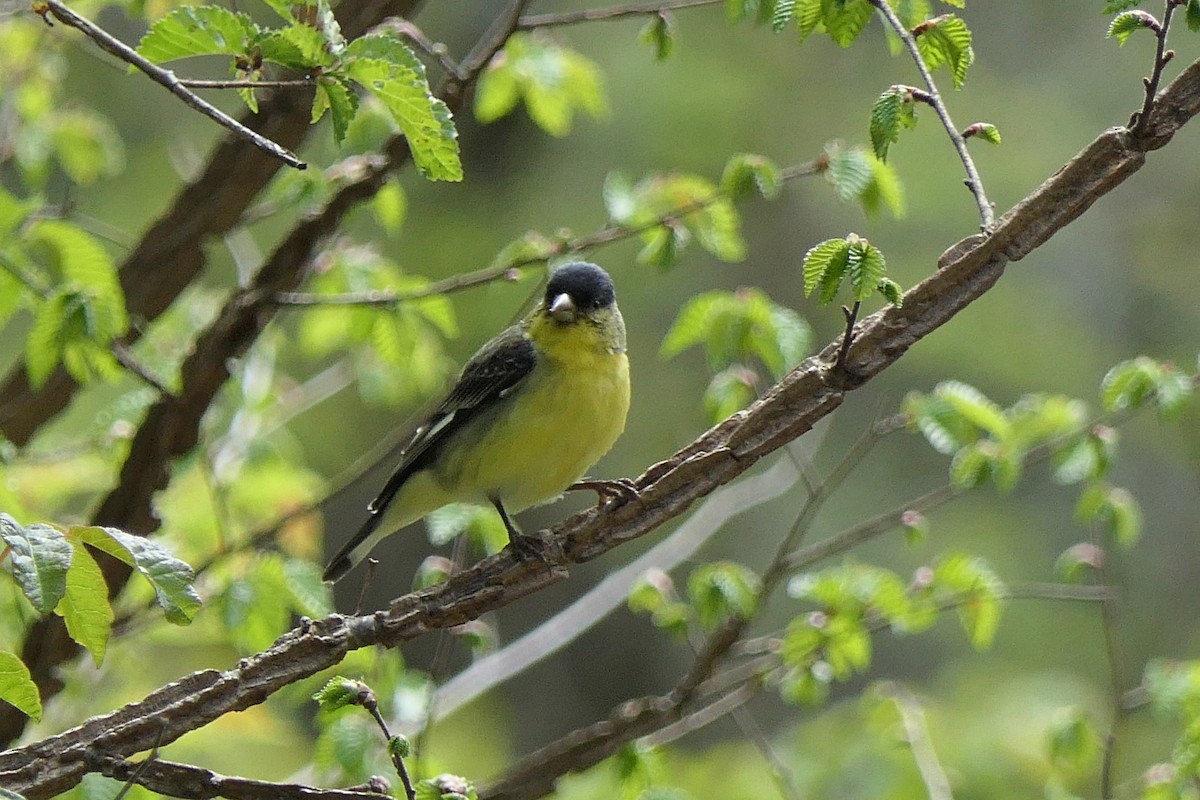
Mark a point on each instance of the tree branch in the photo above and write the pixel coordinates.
(164, 77)
(196, 783)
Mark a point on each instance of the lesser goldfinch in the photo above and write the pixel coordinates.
(532, 411)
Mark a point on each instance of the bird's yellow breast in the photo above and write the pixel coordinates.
(550, 429)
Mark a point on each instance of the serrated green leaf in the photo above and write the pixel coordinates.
(849, 171)
(1125, 23)
(825, 262)
(84, 607)
(1192, 15)
(891, 291)
(425, 120)
(170, 577)
(844, 20)
(17, 687)
(1113, 6)
(947, 43)
(310, 595)
(197, 31)
(40, 556)
(341, 101)
(300, 47)
(86, 268)
(893, 112)
(785, 11)
(865, 266)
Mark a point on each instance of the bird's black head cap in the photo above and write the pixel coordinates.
(586, 284)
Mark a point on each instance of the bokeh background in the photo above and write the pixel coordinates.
(1116, 283)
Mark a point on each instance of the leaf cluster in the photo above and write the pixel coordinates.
(834, 262)
(311, 44)
(57, 573)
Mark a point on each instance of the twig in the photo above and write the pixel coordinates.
(986, 213)
(616, 12)
(1116, 676)
(723, 706)
(916, 732)
(196, 83)
(196, 783)
(161, 76)
(1161, 56)
(372, 708)
(851, 315)
(434, 50)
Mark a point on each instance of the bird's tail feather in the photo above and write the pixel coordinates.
(355, 550)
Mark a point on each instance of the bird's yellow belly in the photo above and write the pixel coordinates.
(530, 452)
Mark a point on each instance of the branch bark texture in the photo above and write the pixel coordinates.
(667, 489)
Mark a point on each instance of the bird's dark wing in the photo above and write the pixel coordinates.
(502, 363)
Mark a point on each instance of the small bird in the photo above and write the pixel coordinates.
(532, 411)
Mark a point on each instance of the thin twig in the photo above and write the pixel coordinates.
(987, 214)
(161, 76)
(196, 83)
(435, 50)
(1161, 56)
(185, 781)
(616, 12)
(916, 732)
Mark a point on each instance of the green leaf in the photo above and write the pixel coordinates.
(85, 608)
(17, 687)
(825, 264)
(40, 557)
(659, 33)
(729, 391)
(1124, 24)
(947, 42)
(891, 291)
(722, 590)
(339, 99)
(1130, 384)
(784, 11)
(170, 577)
(339, 692)
(975, 407)
(197, 31)
(1113, 6)
(849, 171)
(387, 68)
(1124, 517)
(737, 326)
(983, 130)
(972, 466)
(808, 17)
(1072, 739)
(745, 172)
(1192, 15)
(865, 265)
(554, 82)
(884, 190)
(979, 591)
(483, 525)
(943, 427)
(893, 112)
(389, 206)
(845, 19)
(85, 265)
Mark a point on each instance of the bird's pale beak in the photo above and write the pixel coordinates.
(563, 308)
